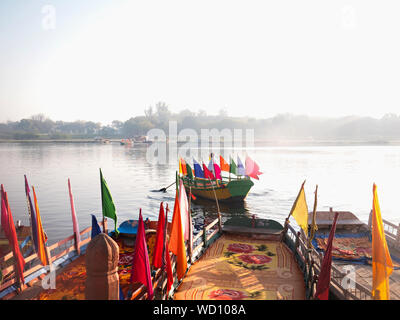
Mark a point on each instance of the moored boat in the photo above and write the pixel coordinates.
(233, 190)
(208, 182)
(352, 254)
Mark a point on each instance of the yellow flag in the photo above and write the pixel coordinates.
(382, 266)
(300, 210)
(180, 166)
(40, 233)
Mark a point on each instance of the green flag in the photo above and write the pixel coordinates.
(107, 202)
(233, 167)
(189, 171)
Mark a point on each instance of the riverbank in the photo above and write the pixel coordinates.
(278, 143)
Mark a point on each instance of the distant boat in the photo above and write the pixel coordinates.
(126, 142)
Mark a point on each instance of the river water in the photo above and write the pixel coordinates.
(344, 174)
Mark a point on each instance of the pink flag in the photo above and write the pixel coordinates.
(217, 171)
(184, 206)
(252, 169)
(74, 219)
(140, 265)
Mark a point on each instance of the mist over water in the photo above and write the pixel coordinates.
(344, 175)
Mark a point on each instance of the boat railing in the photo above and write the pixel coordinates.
(58, 254)
(298, 245)
(392, 232)
(310, 261)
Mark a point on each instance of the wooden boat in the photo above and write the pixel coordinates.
(227, 190)
(248, 259)
(352, 254)
(261, 249)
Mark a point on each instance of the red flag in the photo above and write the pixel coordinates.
(166, 262)
(140, 265)
(324, 279)
(9, 230)
(207, 173)
(159, 245)
(4, 214)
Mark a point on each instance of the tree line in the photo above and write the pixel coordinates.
(280, 127)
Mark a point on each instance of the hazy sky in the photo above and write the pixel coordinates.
(105, 60)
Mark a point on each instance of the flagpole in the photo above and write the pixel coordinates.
(219, 213)
(314, 224)
(190, 225)
(164, 268)
(102, 199)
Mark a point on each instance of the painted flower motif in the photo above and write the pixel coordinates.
(240, 248)
(125, 259)
(255, 258)
(227, 294)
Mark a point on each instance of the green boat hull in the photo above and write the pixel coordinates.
(234, 190)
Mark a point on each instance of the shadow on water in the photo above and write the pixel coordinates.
(207, 210)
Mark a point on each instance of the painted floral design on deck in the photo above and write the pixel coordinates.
(240, 248)
(227, 294)
(253, 257)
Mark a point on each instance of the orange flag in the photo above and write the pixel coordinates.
(176, 243)
(182, 167)
(223, 164)
(382, 266)
(40, 233)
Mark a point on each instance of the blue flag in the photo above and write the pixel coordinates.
(95, 227)
(198, 172)
(240, 168)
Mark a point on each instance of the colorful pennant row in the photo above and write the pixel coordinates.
(213, 170)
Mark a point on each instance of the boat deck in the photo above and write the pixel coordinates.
(239, 267)
(363, 276)
(352, 248)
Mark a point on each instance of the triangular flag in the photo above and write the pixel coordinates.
(75, 224)
(217, 171)
(223, 164)
(166, 261)
(107, 203)
(42, 239)
(176, 241)
(300, 210)
(140, 265)
(324, 278)
(184, 207)
(198, 172)
(159, 244)
(8, 226)
(252, 168)
(189, 171)
(240, 168)
(32, 215)
(95, 227)
(382, 266)
(207, 173)
(183, 167)
(233, 167)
